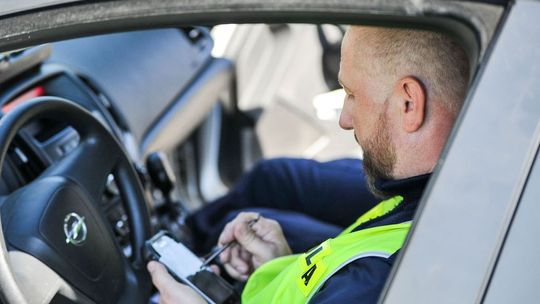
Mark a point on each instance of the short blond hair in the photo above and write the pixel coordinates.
(434, 58)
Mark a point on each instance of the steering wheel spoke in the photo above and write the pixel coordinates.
(88, 165)
(39, 283)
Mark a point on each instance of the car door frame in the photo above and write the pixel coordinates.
(466, 211)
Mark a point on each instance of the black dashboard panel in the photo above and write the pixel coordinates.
(141, 72)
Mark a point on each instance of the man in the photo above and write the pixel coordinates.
(404, 90)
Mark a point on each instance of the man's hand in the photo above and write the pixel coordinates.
(255, 244)
(170, 291)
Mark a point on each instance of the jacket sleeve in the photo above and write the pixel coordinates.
(359, 282)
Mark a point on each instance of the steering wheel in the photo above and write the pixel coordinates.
(56, 241)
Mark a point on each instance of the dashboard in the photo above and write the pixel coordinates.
(129, 81)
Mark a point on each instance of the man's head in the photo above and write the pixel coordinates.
(404, 90)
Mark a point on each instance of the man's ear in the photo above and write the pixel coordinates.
(412, 103)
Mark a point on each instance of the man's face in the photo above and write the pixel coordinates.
(365, 109)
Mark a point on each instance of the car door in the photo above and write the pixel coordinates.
(470, 226)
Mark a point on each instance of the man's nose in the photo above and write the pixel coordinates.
(345, 119)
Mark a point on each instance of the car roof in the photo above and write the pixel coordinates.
(17, 6)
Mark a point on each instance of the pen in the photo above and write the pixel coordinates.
(228, 245)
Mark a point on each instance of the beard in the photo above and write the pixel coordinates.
(379, 157)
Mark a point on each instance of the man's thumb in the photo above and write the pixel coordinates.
(159, 274)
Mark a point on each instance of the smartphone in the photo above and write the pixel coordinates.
(185, 267)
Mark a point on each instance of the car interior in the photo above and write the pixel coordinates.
(192, 109)
(191, 115)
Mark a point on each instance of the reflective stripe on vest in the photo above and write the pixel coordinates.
(296, 278)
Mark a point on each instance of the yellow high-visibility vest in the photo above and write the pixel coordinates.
(296, 278)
